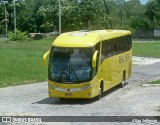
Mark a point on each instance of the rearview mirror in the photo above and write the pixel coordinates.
(45, 56)
(94, 59)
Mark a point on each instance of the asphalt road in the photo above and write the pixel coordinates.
(132, 100)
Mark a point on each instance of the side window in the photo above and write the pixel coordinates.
(124, 43)
(109, 49)
(106, 49)
(127, 43)
(103, 53)
(115, 48)
(121, 46)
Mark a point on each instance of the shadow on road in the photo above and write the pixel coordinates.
(46, 101)
(56, 101)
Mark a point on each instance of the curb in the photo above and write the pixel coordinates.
(146, 85)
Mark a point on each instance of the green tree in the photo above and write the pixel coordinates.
(88, 14)
(139, 23)
(151, 11)
(38, 16)
(133, 12)
(42, 15)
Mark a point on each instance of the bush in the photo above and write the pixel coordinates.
(18, 37)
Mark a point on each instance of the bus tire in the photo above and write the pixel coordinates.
(61, 98)
(123, 80)
(100, 92)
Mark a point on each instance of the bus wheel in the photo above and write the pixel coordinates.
(61, 98)
(100, 93)
(123, 81)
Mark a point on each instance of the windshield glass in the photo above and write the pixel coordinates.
(70, 64)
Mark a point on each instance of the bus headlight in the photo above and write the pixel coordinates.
(86, 87)
(50, 86)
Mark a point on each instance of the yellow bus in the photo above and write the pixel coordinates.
(84, 64)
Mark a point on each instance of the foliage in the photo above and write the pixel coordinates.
(18, 37)
(39, 16)
(87, 15)
(42, 15)
(153, 11)
(139, 23)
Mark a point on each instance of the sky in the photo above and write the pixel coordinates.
(143, 1)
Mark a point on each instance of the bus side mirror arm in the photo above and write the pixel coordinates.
(45, 56)
(94, 59)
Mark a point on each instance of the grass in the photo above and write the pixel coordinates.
(146, 49)
(155, 82)
(21, 62)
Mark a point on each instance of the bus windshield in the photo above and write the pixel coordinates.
(70, 65)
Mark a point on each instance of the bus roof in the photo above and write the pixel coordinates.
(87, 38)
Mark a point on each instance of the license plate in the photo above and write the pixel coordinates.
(68, 94)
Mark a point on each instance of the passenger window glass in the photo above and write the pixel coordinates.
(115, 46)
